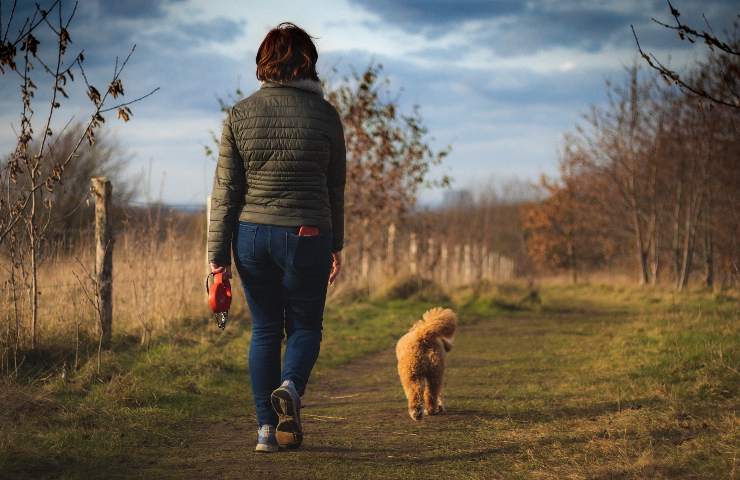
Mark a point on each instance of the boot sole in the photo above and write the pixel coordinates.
(288, 432)
(261, 448)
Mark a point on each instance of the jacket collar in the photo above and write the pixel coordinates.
(304, 84)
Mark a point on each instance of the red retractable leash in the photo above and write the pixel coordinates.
(219, 292)
(219, 298)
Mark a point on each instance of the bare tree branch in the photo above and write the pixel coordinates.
(119, 105)
(685, 32)
(674, 77)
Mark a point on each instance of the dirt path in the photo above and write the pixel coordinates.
(526, 398)
(356, 426)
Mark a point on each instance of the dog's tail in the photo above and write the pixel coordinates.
(437, 322)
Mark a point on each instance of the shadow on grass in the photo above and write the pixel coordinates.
(590, 412)
(392, 456)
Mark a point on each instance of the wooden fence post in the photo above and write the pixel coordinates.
(102, 189)
(365, 255)
(467, 265)
(444, 275)
(390, 253)
(412, 253)
(430, 258)
(480, 262)
(456, 264)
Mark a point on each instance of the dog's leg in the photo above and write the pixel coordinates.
(433, 393)
(413, 388)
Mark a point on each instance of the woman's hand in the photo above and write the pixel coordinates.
(336, 266)
(218, 269)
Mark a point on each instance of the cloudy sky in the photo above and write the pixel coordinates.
(500, 81)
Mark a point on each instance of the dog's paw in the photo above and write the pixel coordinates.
(436, 410)
(416, 414)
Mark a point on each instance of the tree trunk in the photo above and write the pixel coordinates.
(572, 262)
(654, 251)
(708, 258)
(653, 233)
(677, 231)
(709, 240)
(654, 261)
(33, 238)
(687, 255)
(640, 247)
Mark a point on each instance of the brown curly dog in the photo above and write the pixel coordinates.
(421, 360)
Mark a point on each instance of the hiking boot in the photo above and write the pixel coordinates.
(287, 404)
(266, 442)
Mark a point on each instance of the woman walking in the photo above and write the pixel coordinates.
(278, 204)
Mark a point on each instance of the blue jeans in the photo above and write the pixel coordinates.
(285, 279)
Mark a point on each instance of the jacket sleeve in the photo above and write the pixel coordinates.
(227, 197)
(336, 179)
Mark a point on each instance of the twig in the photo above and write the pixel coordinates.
(95, 302)
(684, 31)
(12, 12)
(132, 101)
(675, 77)
(345, 396)
(55, 90)
(46, 20)
(323, 417)
(32, 26)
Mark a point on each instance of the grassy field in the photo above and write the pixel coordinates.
(585, 381)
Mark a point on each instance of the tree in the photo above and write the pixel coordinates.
(657, 177)
(621, 147)
(28, 203)
(388, 155)
(563, 231)
(72, 211)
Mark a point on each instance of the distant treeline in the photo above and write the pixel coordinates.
(653, 177)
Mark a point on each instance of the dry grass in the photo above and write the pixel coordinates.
(158, 276)
(158, 283)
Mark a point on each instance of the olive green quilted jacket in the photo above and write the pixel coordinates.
(281, 162)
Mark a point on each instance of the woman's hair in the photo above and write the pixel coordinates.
(287, 53)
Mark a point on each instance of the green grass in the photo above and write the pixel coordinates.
(587, 381)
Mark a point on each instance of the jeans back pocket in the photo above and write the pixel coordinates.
(244, 240)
